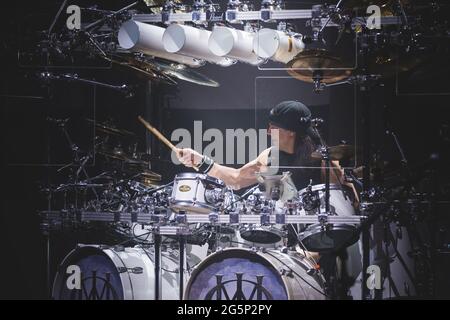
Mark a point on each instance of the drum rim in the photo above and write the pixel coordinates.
(336, 226)
(188, 203)
(197, 268)
(321, 186)
(253, 227)
(194, 176)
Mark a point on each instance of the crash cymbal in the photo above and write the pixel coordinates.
(339, 152)
(141, 67)
(182, 72)
(317, 62)
(109, 129)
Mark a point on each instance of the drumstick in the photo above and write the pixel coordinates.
(160, 136)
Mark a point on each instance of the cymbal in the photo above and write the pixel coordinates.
(339, 152)
(161, 70)
(110, 129)
(388, 63)
(143, 68)
(182, 72)
(319, 62)
(149, 175)
(116, 153)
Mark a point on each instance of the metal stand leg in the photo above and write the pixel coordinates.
(49, 281)
(365, 262)
(364, 88)
(157, 241)
(182, 252)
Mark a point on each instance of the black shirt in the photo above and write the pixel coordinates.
(300, 176)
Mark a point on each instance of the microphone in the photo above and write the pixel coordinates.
(312, 131)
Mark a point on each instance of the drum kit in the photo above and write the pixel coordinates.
(194, 238)
(249, 252)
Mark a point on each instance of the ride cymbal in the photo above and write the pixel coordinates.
(309, 64)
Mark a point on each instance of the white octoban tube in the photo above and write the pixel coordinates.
(147, 38)
(277, 45)
(233, 43)
(193, 42)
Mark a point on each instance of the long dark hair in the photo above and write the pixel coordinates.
(304, 147)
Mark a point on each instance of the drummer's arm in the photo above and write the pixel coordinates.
(236, 178)
(232, 177)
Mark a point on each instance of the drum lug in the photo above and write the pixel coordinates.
(135, 270)
(286, 272)
(323, 218)
(312, 272)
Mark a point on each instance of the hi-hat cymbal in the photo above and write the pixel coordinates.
(308, 64)
(339, 152)
(109, 129)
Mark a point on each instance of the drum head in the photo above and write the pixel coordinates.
(236, 274)
(260, 235)
(100, 279)
(318, 240)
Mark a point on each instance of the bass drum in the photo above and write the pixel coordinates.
(114, 274)
(240, 274)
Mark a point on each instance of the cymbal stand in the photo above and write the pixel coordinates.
(181, 233)
(78, 161)
(365, 82)
(157, 242)
(329, 259)
(324, 152)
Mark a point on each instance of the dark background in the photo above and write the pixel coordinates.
(33, 149)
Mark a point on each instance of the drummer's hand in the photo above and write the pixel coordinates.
(189, 158)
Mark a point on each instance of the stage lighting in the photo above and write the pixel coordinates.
(147, 38)
(191, 42)
(277, 45)
(233, 43)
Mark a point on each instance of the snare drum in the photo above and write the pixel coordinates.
(197, 193)
(317, 237)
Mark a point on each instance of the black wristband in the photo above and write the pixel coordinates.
(203, 165)
(210, 165)
(206, 164)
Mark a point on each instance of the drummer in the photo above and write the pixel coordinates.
(293, 145)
